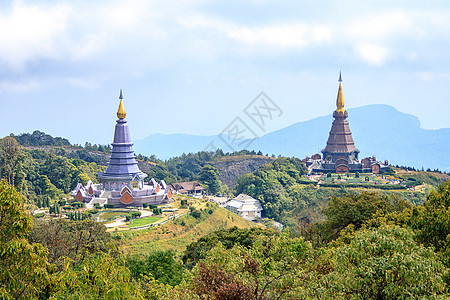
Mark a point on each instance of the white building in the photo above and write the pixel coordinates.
(245, 206)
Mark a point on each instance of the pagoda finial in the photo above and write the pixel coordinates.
(121, 113)
(340, 97)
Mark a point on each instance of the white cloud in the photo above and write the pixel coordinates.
(21, 86)
(99, 36)
(296, 35)
(284, 35)
(432, 76)
(380, 26)
(373, 54)
(124, 15)
(31, 32)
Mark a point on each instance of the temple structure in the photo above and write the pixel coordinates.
(123, 182)
(340, 154)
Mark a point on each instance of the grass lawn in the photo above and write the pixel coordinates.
(111, 215)
(144, 221)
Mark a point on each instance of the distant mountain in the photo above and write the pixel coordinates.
(378, 130)
(165, 146)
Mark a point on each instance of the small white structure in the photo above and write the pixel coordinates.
(245, 206)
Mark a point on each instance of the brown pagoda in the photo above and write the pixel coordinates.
(340, 150)
(340, 154)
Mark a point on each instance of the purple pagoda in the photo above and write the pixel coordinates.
(122, 167)
(122, 182)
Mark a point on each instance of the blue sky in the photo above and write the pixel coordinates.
(193, 66)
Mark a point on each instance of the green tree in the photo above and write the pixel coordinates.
(383, 263)
(228, 237)
(98, 277)
(431, 222)
(162, 265)
(9, 153)
(274, 185)
(271, 269)
(209, 176)
(355, 209)
(49, 189)
(24, 269)
(76, 240)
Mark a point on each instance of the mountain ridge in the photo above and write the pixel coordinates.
(377, 129)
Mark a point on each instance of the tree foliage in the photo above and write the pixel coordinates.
(75, 240)
(100, 276)
(24, 269)
(270, 269)
(384, 263)
(39, 138)
(355, 209)
(9, 158)
(274, 185)
(163, 266)
(227, 237)
(431, 222)
(39, 174)
(209, 176)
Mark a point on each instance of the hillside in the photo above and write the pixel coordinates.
(431, 178)
(232, 167)
(178, 234)
(379, 130)
(317, 198)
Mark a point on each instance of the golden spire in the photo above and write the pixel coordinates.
(121, 113)
(340, 97)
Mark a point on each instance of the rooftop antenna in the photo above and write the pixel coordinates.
(120, 96)
(340, 77)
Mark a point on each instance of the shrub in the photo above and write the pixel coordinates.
(196, 214)
(92, 211)
(135, 214)
(144, 205)
(97, 205)
(39, 215)
(77, 204)
(108, 205)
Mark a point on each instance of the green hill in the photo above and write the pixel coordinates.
(176, 235)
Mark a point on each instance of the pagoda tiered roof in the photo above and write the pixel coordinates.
(122, 164)
(340, 139)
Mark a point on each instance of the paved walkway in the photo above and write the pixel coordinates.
(117, 222)
(122, 221)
